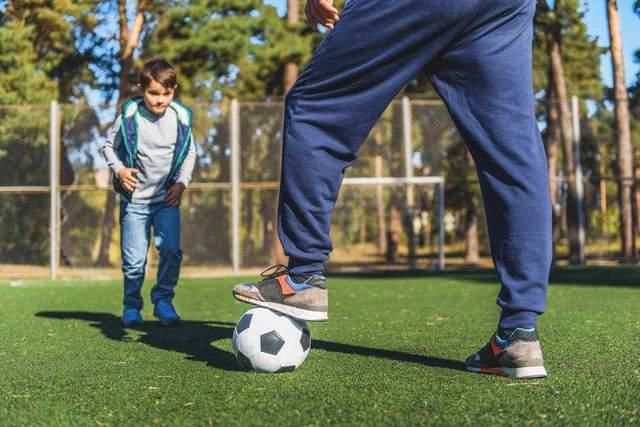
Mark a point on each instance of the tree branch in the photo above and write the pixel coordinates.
(134, 37)
(124, 26)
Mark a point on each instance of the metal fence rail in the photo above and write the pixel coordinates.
(232, 198)
(58, 210)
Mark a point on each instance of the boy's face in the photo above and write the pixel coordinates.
(157, 97)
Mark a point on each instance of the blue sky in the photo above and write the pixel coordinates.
(596, 20)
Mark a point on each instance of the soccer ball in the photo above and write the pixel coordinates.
(266, 341)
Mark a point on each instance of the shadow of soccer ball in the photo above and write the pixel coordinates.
(266, 341)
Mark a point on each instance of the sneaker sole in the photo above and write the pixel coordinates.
(296, 313)
(518, 373)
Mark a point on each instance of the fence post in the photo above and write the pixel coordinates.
(441, 226)
(408, 148)
(235, 184)
(408, 171)
(579, 184)
(54, 181)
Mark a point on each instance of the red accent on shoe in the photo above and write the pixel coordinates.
(495, 349)
(284, 286)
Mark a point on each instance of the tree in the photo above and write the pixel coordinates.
(635, 128)
(566, 62)
(23, 145)
(129, 38)
(42, 65)
(623, 135)
(241, 50)
(291, 68)
(60, 35)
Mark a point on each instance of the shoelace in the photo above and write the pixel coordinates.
(274, 271)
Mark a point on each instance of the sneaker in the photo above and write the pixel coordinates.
(517, 356)
(131, 317)
(300, 297)
(165, 313)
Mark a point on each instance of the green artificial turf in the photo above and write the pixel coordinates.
(390, 355)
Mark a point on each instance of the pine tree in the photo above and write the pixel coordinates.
(566, 63)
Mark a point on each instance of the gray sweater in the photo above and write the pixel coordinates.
(156, 142)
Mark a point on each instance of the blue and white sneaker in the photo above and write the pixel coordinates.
(131, 318)
(165, 313)
(300, 297)
(519, 355)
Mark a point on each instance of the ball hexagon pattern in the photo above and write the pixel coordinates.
(266, 341)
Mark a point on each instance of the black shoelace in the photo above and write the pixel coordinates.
(274, 271)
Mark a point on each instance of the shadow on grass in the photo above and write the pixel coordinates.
(195, 338)
(192, 338)
(618, 276)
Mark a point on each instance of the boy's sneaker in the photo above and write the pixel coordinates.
(517, 356)
(301, 297)
(131, 317)
(165, 313)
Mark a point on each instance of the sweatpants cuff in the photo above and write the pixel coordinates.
(511, 319)
(305, 267)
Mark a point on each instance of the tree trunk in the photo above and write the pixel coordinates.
(603, 192)
(553, 138)
(553, 39)
(472, 251)
(637, 200)
(291, 69)
(382, 223)
(623, 135)
(393, 235)
(129, 38)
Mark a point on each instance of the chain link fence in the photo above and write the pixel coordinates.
(383, 226)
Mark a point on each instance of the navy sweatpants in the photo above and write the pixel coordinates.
(478, 55)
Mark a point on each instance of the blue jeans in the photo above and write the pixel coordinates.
(136, 221)
(478, 56)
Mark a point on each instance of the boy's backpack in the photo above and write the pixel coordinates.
(128, 149)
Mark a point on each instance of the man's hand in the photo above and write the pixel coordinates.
(174, 194)
(321, 12)
(128, 178)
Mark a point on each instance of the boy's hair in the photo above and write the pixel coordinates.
(160, 71)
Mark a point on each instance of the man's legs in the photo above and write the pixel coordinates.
(135, 221)
(486, 82)
(166, 235)
(374, 50)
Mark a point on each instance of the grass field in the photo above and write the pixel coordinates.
(391, 355)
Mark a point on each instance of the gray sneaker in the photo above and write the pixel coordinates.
(518, 356)
(300, 297)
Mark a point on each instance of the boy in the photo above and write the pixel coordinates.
(151, 152)
(477, 54)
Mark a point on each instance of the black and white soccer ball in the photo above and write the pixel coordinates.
(266, 341)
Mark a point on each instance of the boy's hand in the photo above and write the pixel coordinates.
(128, 178)
(321, 12)
(174, 194)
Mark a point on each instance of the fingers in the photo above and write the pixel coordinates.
(128, 186)
(328, 13)
(174, 194)
(172, 200)
(129, 183)
(321, 12)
